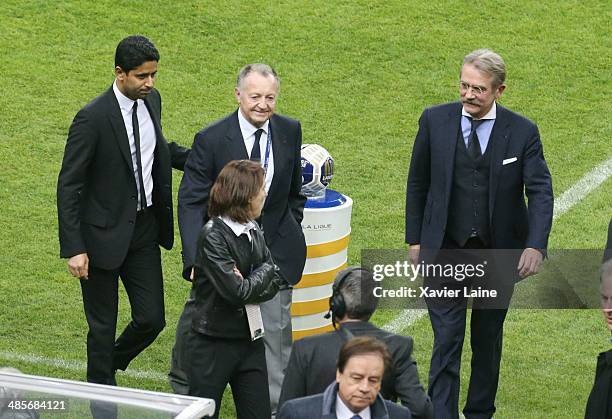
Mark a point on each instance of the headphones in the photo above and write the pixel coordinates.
(337, 306)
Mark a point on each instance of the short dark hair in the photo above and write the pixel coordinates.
(363, 345)
(357, 290)
(237, 184)
(133, 51)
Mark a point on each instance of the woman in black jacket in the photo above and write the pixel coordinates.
(233, 273)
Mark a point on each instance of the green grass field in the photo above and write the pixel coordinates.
(357, 74)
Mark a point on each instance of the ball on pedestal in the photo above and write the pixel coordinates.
(317, 170)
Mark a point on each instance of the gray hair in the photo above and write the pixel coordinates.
(490, 62)
(260, 68)
(358, 293)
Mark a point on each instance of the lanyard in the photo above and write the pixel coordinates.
(267, 157)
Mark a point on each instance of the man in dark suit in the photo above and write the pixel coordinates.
(114, 203)
(355, 394)
(254, 132)
(472, 164)
(311, 366)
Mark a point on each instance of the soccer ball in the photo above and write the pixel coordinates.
(317, 170)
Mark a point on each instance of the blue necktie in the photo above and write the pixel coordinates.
(473, 142)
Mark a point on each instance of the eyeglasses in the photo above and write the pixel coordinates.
(478, 90)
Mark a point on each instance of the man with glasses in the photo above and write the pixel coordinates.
(472, 163)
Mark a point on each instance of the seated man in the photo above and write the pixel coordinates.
(313, 359)
(355, 394)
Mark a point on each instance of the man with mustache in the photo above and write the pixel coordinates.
(253, 131)
(472, 164)
(114, 204)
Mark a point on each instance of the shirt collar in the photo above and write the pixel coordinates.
(342, 411)
(125, 103)
(492, 114)
(239, 228)
(249, 129)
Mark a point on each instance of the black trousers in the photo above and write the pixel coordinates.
(448, 321)
(177, 377)
(212, 363)
(141, 275)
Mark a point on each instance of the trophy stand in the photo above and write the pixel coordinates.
(327, 228)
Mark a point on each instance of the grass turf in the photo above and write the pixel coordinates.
(357, 75)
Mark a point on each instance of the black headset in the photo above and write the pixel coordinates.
(337, 306)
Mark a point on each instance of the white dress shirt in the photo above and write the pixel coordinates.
(147, 142)
(343, 412)
(248, 134)
(239, 228)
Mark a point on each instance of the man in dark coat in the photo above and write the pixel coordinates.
(599, 404)
(362, 362)
(472, 164)
(253, 132)
(311, 367)
(114, 204)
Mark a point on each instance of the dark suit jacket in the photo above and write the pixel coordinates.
(323, 406)
(96, 191)
(214, 147)
(312, 367)
(513, 224)
(599, 404)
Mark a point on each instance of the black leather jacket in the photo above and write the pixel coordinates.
(220, 295)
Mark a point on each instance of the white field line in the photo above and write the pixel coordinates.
(563, 203)
(406, 318)
(73, 365)
(583, 187)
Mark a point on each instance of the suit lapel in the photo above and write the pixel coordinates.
(235, 142)
(161, 156)
(453, 123)
(153, 113)
(279, 147)
(118, 126)
(498, 143)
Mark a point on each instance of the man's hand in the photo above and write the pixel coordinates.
(78, 265)
(529, 263)
(413, 253)
(191, 274)
(237, 272)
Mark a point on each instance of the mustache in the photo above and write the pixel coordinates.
(471, 102)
